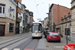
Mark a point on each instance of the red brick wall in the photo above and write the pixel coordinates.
(58, 12)
(19, 0)
(31, 21)
(18, 9)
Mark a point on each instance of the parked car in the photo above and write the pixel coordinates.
(53, 36)
(47, 32)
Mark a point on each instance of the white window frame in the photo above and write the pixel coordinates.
(19, 15)
(19, 5)
(2, 14)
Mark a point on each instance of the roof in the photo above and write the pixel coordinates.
(57, 4)
(24, 5)
(27, 10)
(13, 2)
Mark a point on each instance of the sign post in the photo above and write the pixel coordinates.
(67, 32)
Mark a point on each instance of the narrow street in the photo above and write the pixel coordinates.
(25, 42)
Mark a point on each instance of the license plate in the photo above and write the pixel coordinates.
(36, 33)
(54, 37)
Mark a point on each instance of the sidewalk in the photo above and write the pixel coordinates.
(4, 38)
(57, 45)
(69, 41)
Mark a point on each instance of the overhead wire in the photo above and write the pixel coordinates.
(36, 7)
(39, 4)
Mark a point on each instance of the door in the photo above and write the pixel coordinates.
(2, 30)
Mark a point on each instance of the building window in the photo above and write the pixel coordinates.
(11, 27)
(19, 5)
(2, 11)
(25, 20)
(65, 19)
(23, 14)
(19, 15)
(70, 17)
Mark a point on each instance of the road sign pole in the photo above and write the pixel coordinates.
(66, 39)
(67, 32)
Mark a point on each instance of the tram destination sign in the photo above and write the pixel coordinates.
(36, 24)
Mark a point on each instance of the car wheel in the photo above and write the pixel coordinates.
(59, 40)
(41, 37)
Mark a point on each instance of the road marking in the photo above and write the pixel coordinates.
(4, 49)
(28, 49)
(17, 49)
(50, 47)
(58, 46)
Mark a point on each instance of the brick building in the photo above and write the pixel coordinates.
(30, 20)
(18, 15)
(55, 14)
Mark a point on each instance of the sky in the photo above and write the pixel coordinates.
(41, 7)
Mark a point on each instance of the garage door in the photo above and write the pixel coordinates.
(2, 30)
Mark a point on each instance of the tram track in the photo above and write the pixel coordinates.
(8, 43)
(30, 46)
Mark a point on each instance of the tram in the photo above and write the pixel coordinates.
(36, 29)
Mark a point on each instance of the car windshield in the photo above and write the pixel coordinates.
(53, 33)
